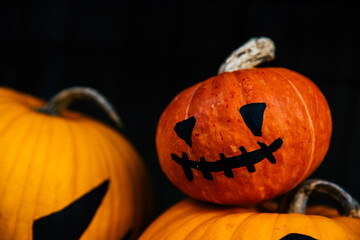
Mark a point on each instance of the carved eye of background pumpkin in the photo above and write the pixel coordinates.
(246, 135)
(71, 221)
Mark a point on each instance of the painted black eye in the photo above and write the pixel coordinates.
(297, 236)
(253, 115)
(71, 221)
(184, 130)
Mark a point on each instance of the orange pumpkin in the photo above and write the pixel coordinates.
(245, 136)
(64, 175)
(192, 220)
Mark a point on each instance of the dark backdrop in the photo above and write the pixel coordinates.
(141, 53)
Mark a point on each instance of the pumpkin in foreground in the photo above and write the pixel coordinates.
(66, 176)
(192, 220)
(245, 136)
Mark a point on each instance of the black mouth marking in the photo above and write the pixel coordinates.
(297, 236)
(127, 235)
(226, 164)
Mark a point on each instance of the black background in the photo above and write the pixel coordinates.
(141, 53)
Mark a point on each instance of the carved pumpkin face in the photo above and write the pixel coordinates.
(191, 219)
(243, 137)
(66, 177)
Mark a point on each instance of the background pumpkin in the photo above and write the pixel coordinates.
(55, 162)
(191, 219)
(204, 126)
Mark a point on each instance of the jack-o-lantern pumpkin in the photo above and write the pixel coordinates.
(244, 136)
(64, 175)
(192, 220)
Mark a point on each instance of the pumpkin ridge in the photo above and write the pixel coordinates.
(235, 76)
(41, 181)
(136, 168)
(103, 145)
(208, 222)
(188, 107)
(131, 172)
(101, 149)
(275, 220)
(184, 217)
(191, 99)
(310, 120)
(161, 227)
(184, 212)
(191, 217)
(256, 73)
(251, 74)
(240, 225)
(76, 153)
(18, 98)
(266, 80)
(315, 226)
(18, 211)
(342, 225)
(22, 141)
(12, 120)
(132, 168)
(72, 143)
(219, 217)
(264, 235)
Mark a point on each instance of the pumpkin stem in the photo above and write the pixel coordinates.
(61, 100)
(347, 205)
(251, 54)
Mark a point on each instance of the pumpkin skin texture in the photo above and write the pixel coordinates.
(230, 117)
(191, 219)
(330, 212)
(49, 162)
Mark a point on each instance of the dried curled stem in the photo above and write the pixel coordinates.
(63, 99)
(251, 54)
(347, 205)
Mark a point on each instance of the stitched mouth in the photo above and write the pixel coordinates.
(226, 164)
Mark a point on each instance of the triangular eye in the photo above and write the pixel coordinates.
(71, 221)
(297, 236)
(184, 130)
(253, 115)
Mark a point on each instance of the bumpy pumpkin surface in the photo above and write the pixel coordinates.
(243, 137)
(190, 219)
(66, 177)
